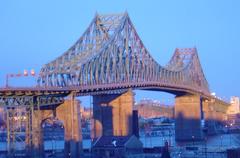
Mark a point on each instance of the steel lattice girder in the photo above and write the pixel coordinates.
(14, 101)
(111, 52)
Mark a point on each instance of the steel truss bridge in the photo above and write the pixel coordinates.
(108, 58)
(110, 55)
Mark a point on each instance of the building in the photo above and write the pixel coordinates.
(233, 113)
(235, 105)
(2, 118)
(117, 147)
(86, 113)
(148, 108)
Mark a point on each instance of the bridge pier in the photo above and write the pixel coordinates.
(112, 114)
(69, 113)
(33, 131)
(215, 113)
(14, 123)
(34, 135)
(209, 118)
(188, 118)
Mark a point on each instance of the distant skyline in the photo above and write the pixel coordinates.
(33, 33)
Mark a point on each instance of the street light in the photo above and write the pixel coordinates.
(205, 130)
(193, 140)
(230, 132)
(221, 141)
(24, 74)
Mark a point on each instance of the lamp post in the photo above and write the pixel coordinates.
(205, 130)
(221, 142)
(230, 133)
(193, 143)
(226, 128)
(193, 140)
(53, 154)
(24, 74)
(169, 137)
(52, 147)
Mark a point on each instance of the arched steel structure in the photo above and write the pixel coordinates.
(111, 54)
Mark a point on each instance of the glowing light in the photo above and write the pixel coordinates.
(25, 72)
(33, 72)
(213, 94)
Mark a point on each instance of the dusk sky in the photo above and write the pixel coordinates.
(33, 33)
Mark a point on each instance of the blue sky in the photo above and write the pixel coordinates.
(33, 33)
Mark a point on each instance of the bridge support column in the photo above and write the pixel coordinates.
(188, 118)
(10, 132)
(69, 113)
(34, 135)
(209, 118)
(215, 113)
(112, 114)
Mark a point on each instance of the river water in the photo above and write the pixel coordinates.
(219, 141)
